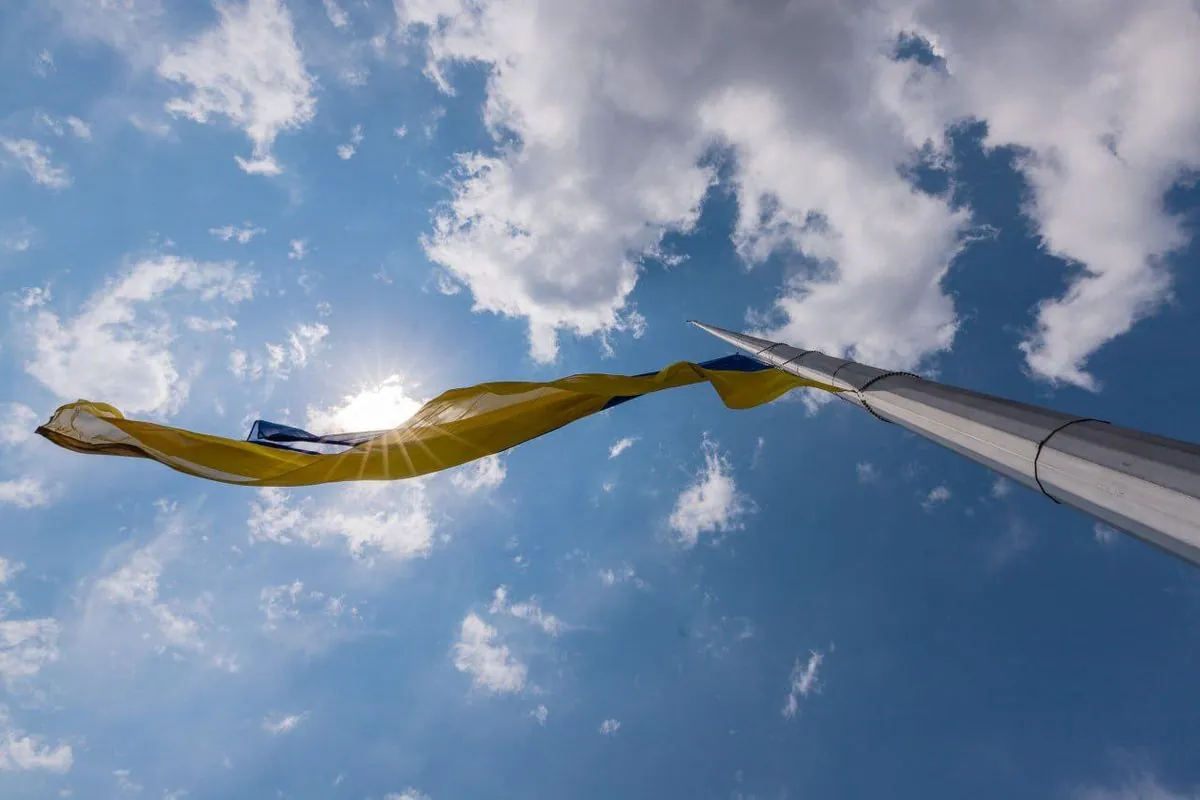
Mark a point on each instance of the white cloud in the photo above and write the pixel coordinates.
(1140, 787)
(408, 794)
(621, 445)
(22, 752)
(17, 422)
(9, 570)
(109, 352)
(337, 16)
(1105, 534)
(540, 714)
(1001, 488)
(529, 610)
(24, 492)
(241, 235)
(299, 249)
(201, 325)
(346, 151)
(393, 520)
(712, 503)
(26, 645)
(133, 588)
(34, 297)
(491, 666)
(400, 132)
(867, 473)
(278, 724)
(626, 574)
(43, 65)
(18, 236)
(609, 727)
(62, 126)
(802, 682)
(324, 309)
(34, 158)
(125, 783)
(304, 341)
(936, 496)
(485, 473)
(605, 127)
(249, 69)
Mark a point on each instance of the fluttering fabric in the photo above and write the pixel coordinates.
(459, 426)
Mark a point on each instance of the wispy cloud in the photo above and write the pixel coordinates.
(346, 151)
(279, 724)
(241, 235)
(540, 714)
(34, 158)
(609, 727)
(621, 445)
(802, 682)
(299, 249)
(866, 471)
(529, 610)
(937, 496)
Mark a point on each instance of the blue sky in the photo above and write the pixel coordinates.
(323, 213)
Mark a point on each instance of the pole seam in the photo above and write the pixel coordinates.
(859, 391)
(1037, 456)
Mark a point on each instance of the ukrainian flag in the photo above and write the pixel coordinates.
(459, 426)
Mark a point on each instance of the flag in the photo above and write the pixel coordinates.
(459, 426)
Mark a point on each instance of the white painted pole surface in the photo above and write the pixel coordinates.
(1143, 484)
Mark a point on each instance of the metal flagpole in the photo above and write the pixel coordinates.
(1144, 484)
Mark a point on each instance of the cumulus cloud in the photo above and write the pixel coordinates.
(119, 346)
(540, 714)
(299, 249)
(34, 158)
(24, 492)
(482, 474)
(389, 520)
(346, 151)
(621, 445)
(801, 682)
(241, 235)
(20, 751)
(248, 69)
(609, 727)
(491, 666)
(277, 724)
(528, 610)
(712, 503)
(599, 157)
(17, 422)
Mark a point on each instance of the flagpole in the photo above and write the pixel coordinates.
(1146, 485)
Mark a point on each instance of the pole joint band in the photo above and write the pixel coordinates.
(862, 398)
(1038, 456)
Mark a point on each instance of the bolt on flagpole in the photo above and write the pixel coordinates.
(1144, 484)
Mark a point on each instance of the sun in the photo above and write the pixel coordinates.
(384, 405)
